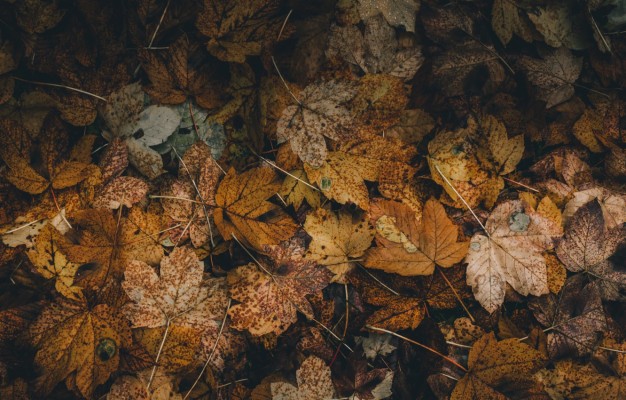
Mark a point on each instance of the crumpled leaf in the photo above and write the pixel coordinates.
(237, 30)
(242, 208)
(493, 364)
(268, 303)
(405, 248)
(396, 12)
(337, 238)
(511, 253)
(78, 343)
(313, 382)
(553, 75)
(576, 317)
(586, 247)
(51, 263)
(320, 114)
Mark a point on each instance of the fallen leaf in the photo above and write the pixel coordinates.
(313, 382)
(337, 238)
(571, 380)
(295, 190)
(507, 19)
(510, 253)
(613, 205)
(396, 12)
(559, 24)
(410, 250)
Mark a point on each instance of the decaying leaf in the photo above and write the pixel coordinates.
(510, 253)
(405, 248)
(337, 239)
(313, 382)
(492, 365)
(243, 210)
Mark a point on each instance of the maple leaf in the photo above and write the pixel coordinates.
(406, 249)
(238, 30)
(313, 380)
(406, 307)
(554, 75)
(510, 253)
(586, 247)
(242, 208)
(396, 12)
(337, 238)
(79, 344)
(492, 364)
(270, 298)
(506, 20)
(319, 114)
(559, 24)
(180, 73)
(60, 173)
(576, 318)
(342, 176)
(51, 263)
(571, 380)
(128, 387)
(181, 348)
(295, 190)
(376, 345)
(111, 243)
(613, 205)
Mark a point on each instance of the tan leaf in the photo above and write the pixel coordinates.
(313, 382)
(121, 191)
(128, 387)
(435, 243)
(337, 238)
(613, 205)
(511, 253)
(295, 190)
(243, 210)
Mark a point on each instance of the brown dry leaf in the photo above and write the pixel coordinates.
(571, 380)
(510, 253)
(586, 247)
(407, 249)
(268, 303)
(78, 343)
(181, 349)
(295, 190)
(496, 151)
(590, 124)
(313, 382)
(51, 263)
(575, 317)
(413, 126)
(111, 243)
(556, 273)
(553, 75)
(121, 191)
(342, 177)
(38, 16)
(179, 73)
(507, 19)
(337, 238)
(319, 115)
(559, 23)
(177, 295)
(493, 364)
(396, 12)
(242, 208)
(128, 387)
(237, 30)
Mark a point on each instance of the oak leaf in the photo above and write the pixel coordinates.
(243, 210)
(78, 343)
(319, 114)
(337, 238)
(269, 299)
(405, 248)
(510, 252)
(492, 364)
(313, 382)
(586, 247)
(51, 263)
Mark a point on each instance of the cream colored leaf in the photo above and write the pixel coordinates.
(613, 205)
(146, 160)
(510, 254)
(313, 382)
(337, 238)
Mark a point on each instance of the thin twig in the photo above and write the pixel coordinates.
(285, 82)
(156, 359)
(378, 280)
(467, 311)
(61, 86)
(22, 226)
(521, 184)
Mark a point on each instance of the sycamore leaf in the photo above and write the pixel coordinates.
(613, 205)
(576, 318)
(571, 380)
(128, 387)
(337, 238)
(319, 114)
(180, 350)
(51, 263)
(176, 295)
(376, 345)
(396, 12)
(497, 150)
(242, 208)
(511, 253)
(408, 250)
(295, 191)
(492, 363)
(413, 126)
(237, 30)
(121, 191)
(313, 382)
(268, 303)
(78, 343)
(506, 20)
(586, 247)
(554, 75)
